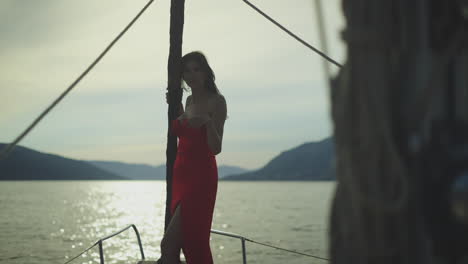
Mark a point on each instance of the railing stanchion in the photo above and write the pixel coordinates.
(101, 253)
(242, 239)
(139, 242)
(244, 256)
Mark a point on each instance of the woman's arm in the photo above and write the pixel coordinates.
(187, 102)
(215, 125)
(181, 110)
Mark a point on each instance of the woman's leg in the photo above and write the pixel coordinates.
(171, 243)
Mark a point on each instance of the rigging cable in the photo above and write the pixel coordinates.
(7, 149)
(287, 250)
(293, 35)
(322, 37)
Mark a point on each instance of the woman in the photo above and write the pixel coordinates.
(195, 175)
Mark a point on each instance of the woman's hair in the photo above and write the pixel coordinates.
(199, 58)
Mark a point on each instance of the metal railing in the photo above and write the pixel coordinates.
(242, 239)
(101, 250)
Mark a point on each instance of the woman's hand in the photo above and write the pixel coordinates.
(198, 121)
(197, 115)
(196, 110)
(180, 111)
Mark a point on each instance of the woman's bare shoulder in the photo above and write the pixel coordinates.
(219, 106)
(218, 99)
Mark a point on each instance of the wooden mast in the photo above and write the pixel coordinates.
(386, 102)
(174, 92)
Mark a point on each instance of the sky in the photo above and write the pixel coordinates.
(275, 89)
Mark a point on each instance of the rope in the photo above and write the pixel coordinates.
(82, 253)
(6, 150)
(322, 37)
(287, 250)
(293, 35)
(423, 103)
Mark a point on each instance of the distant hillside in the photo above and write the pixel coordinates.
(28, 164)
(132, 171)
(148, 172)
(225, 170)
(309, 161)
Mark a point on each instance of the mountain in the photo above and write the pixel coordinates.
(148, 172)
(132, 171)
(225, 170)
(309, 161)
(27, 164)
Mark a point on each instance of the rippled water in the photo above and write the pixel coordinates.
(52, 221)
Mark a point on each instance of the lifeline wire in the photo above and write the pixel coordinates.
(6, 150)
(86, 250)
(246, 239)
(287, 250)
(293, 35)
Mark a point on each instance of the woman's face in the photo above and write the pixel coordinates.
(193, 75)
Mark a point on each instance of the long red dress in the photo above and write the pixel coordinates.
(194, 186)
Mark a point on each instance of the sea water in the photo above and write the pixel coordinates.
(52, 221)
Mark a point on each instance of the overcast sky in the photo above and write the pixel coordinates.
(274, 86)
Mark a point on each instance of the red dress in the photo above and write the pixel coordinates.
(194, 186)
